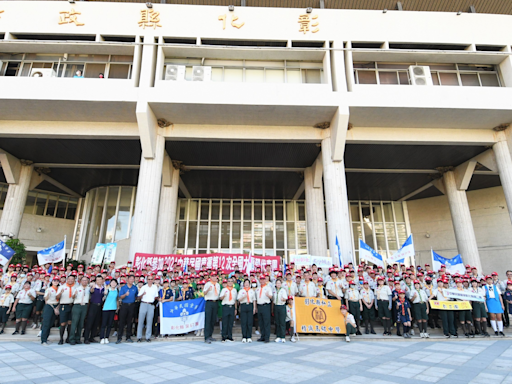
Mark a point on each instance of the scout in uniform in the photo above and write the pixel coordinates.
(263, 297)
(334, 289)
(247, 305)
(350, 323)
(50, 309)
(40, 289)
(6, 302)
(97, 289)
(403, 308)
(228, 297)
(446, 315)
(66, 296)
(320, 289)
(354, 304)
(495, 305)
(479, 310)
(419, 300)
(368, 301)
(280, 298)
(290, 326)
(309, 288)
(384, 300)
(211, 296)
(79, 311)
(23, 307)
(464, 315)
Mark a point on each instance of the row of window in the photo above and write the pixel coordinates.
(442, 74)
(45, 204)
(111, 66)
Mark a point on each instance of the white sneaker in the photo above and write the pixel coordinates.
(102, 341)
(106, 341)
(39, 333)
(44, 343)
(249, 340)
(115, 334)
(257, 333)
(427, 336)
(293, 339)
(347, 338)
(34, 326)
(244, 340)
(278, 340)
(411, 331)
(283, 340)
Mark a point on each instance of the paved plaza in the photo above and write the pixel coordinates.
(320, 361)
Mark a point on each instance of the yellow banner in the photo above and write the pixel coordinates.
(318, 316)
(450, 305)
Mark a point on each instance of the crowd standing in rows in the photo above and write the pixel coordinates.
(87, 303)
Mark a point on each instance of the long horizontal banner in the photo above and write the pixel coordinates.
(318, 316)
(181, 316)
(308, 260)
(450, 305)
(456, 294)
(225, 261)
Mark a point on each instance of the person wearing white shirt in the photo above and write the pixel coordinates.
(23, 307)
(290, 285)
(368, 301)
(334, 288)
(309, 288)
(6, 302)
(354, 304)
(247, 308)
(279, 299)
(211, 295)
(263, 297)
(479, 308)
(446, 315)
(228, 297)
(50, 298)
(66, 295)
(419, 300)
(147, 295)
(384, 299)
(79, 311)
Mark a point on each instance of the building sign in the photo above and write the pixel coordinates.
(70, 18)
(233, 19)
(149, 18)
(305, 23)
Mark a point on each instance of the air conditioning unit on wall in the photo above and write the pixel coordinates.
(175, 72)
(420, 75)
(201, 73)
(42, 72)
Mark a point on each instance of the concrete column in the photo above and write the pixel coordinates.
(167, 215)
(148, 198)
(336, 201)
(15, 202)
(317, 237)
(504, 163)
(462, 223)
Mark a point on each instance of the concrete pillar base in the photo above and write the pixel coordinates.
(315, 220)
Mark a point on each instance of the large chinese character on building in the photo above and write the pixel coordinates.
(149, 18)
(70, 17)
(233, 19)
(306, 22)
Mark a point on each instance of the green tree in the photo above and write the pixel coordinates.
(20, 254)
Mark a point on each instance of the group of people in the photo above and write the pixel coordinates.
(85, 303)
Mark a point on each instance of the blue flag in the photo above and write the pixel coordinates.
(368, 253)
(6, 253)
(453, 265)
(182, 316)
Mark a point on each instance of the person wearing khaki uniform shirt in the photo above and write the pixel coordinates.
(228, 297)
(79, 311)
(280, 298)
(264, 296)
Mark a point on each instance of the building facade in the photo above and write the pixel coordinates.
(245, 127)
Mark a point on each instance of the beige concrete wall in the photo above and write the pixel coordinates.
(431, 217)
(52, 232)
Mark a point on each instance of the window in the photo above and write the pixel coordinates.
(467, 75)
(254, 71)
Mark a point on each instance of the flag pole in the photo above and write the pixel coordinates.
(64, 251)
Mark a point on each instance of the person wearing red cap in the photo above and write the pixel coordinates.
(228, 299)
(495, 306)
(247, 305)
(354, 305)
(403, 308)
(211, 296)
(6, 302)
(447, 317)
(66, 296)
(479, 311)
(350, 323)
(419, 299)
(279, 299)
(23, 307)
(264, 296)
(368, 301)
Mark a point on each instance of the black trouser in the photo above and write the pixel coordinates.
(448, 322)
(125, 319)
(280, 319)
(106, 323)
(93, 320)
(228, 317)
(506, 320)
(210, 316)
(48, 320)
(246, 317)
(264, 320)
